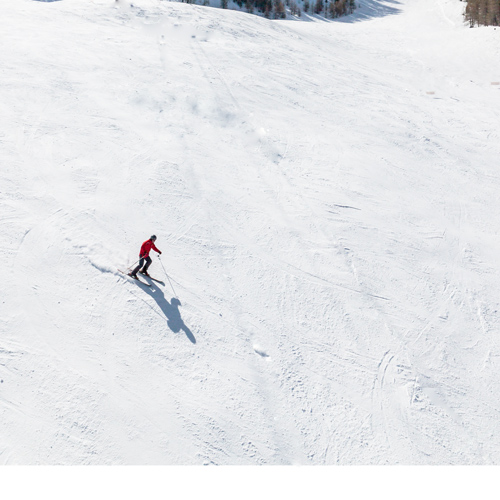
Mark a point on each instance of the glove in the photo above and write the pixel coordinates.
(159, 252)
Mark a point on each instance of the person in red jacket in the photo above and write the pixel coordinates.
(145, 259)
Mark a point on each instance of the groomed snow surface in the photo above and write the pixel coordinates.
(326, 198)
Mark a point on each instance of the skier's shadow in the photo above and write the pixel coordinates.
(171, 311)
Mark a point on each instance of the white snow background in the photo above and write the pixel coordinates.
(326, 198)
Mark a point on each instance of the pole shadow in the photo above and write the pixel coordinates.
(171, 311)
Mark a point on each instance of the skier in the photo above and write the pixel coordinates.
(145, 259)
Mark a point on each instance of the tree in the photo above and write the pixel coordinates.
(279, 10)
(318, 7)
(483, 13)
(338, 8)
(294, 8)
(494, 12)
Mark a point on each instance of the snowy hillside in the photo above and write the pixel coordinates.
(325, 195)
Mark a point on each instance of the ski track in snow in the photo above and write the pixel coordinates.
(325, 198)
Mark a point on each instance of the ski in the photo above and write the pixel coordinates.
(151, 278)
(135, 279)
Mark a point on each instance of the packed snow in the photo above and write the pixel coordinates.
(325, 196)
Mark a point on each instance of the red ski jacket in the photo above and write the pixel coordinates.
(146, 248)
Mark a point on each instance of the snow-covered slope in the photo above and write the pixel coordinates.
(325, 195)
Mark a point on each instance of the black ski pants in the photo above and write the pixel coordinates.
(144, 261)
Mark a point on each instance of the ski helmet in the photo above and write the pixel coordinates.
(153, 237)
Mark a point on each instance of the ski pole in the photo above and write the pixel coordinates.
(133, 264)
(167, 277)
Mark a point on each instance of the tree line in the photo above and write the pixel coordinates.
(276, 9)
(483, 13)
